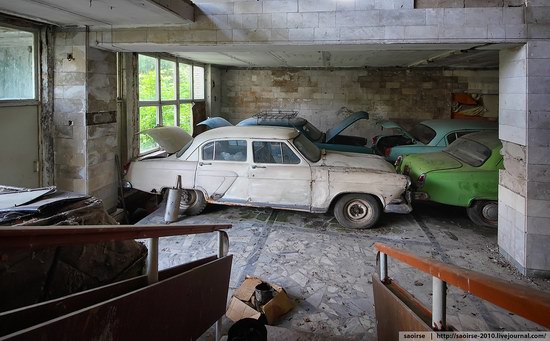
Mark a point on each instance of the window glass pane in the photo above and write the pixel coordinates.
(451, 137)
(147, 119)
(185, 81)
(17, 77)
(186, 118)
(168, 115)
(167, 79)
(198, 83)
(208, 151)
(288, 155)
(232, 150)
(147, 78)
(266, 152)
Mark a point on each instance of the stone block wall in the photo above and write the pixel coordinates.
(297, 22)
(70, 102)
(406, 96)
(524, 190)
(85, 118)
(101, 126)
(467, 3)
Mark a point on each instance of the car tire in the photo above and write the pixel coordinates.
(192, 202)
(357, 211)
(484, 213)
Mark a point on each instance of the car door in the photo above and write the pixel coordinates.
(222, 170)
(278, 176)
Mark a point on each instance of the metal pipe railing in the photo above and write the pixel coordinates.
(527, 302)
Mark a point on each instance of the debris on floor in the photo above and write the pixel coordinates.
(259, 299)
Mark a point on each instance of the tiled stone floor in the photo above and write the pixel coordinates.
(327, 269)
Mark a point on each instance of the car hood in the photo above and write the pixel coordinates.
(215, 122)
(171, 139)
(332, 133)
(392, 124)
(368, 162)
(428, 162)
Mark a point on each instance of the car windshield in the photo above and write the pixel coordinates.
(182, 150)
(469, 151)
(423, 133)
(307, 148)
(312, 132)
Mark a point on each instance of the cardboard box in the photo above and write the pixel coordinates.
(242, 304)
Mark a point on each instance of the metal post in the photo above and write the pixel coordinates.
(223, 249)
(153, 261)
(383, 266)
(439, 304)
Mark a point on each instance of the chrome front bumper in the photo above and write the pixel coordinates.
(401, 205)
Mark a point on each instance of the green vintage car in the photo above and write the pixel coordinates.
(464, 174)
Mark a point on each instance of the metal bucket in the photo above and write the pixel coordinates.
(263, 293)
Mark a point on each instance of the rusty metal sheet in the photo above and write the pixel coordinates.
(395, 313)
(18, 319)
(178, 308)
(527, 302)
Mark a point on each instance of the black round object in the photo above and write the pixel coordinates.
(247, 329)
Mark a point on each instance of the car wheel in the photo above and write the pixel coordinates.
(484, 213)
(357, 211)
(192, 202)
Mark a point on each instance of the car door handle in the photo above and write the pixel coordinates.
(256, 166)
(205, 163)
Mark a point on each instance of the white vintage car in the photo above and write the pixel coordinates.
(271, 167)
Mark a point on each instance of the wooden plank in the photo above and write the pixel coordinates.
(396, 313)
(178, 308)
(25, 317)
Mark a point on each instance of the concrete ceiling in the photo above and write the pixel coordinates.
(101, 12)
(459, 56)
(162, 12)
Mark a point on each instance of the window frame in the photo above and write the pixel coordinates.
(36, 62)
(214, 142)
(159, 102)
(281, 143)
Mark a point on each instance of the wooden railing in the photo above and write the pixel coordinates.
(32, 237)
(527, 302)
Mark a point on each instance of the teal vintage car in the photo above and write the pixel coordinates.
(425, 137)
(464, 174)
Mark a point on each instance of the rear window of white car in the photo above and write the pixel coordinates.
(273, 152)
(227, 150)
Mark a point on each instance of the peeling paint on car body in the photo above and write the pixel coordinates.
(304, 185)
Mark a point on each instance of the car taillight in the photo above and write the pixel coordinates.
(387, 152)
(374, 138)
(421, 180)
(398, 161)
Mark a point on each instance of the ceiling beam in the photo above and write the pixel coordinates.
(185, 9)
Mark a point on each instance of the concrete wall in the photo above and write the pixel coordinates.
(296, 22)
(407, 96)
(101, 126)
(70, 102)
(85, 118)
(524, 191)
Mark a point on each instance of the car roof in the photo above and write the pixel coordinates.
(258, 132)
(488, 139)
(448, 124)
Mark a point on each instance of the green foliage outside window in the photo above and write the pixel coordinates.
(147, 119)
(148, 71)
